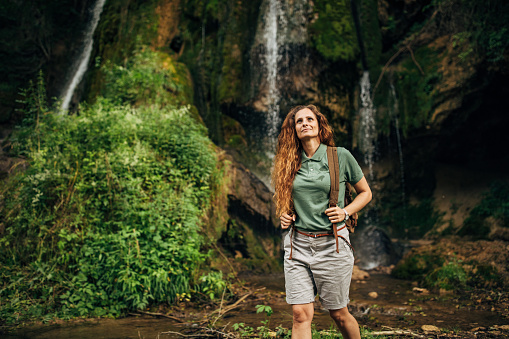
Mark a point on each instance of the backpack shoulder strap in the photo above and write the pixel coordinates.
(332, 158)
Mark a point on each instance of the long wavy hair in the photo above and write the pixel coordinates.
(289, 155)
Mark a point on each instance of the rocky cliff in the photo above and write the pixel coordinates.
(438, 73)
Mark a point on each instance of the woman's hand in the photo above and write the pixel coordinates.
(286, 220)
(335, 214)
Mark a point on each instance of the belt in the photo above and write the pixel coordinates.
(318, 235)
(315, 235)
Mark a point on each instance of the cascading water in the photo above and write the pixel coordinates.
(273, 38)
(395, 113)
(367, 132)
(80, 66)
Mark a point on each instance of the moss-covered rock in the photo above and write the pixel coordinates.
(333, 30)
(455, 264)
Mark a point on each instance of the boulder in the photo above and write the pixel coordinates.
(359, 274)
(249, 199)
(374, 248)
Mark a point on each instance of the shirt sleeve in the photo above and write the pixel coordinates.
(353, 172)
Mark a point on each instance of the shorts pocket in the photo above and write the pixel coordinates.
(348, 249)
(285, 242)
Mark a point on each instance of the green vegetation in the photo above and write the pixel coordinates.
(333, 33)
(212, 284)
(417, 265)
(494, 204)
(371, 34)
(481, 26)
(436, 270)
(147, 78)
(123, 25)
(107, 217)
(450, 276)
(264, 331)
(408, 221)
(417, 90)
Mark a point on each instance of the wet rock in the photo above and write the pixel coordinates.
(420, 290)
(383, 269)
(374, 248)
(250, 230)
(359, 274)
(249, 199)
(430, 328)
(443, 291)
(477, 329)
(499, 233)
(373, 295)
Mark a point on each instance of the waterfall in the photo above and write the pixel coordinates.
(367, 131)
(80, 66)
(275, 23)
(395, 111)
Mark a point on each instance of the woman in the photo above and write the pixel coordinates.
(314, 265)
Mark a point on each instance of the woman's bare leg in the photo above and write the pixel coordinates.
(302, 317)
(346, 323)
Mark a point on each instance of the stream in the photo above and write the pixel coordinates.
(397, 306)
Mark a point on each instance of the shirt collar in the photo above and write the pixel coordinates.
(318, 156)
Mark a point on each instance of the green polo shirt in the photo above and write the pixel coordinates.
(311, 187)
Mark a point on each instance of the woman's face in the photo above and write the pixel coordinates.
(306, 124)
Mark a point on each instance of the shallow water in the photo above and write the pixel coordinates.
(396, 306)
(130, 327)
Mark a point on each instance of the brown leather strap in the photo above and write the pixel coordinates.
(332, 159)
(291, 243)
(312, 235)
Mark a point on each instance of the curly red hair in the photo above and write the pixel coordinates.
(289, 155)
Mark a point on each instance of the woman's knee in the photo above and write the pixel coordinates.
(341, 316)
(303, 313)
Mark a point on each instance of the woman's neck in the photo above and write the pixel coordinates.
(310, 146)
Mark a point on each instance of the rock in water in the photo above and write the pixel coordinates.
(420, 290)
(359, 274)
(374, 248)
(430, 328)
(373, 295)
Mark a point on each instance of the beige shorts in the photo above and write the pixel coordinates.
(316, 268)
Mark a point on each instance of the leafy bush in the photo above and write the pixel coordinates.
(148, 77)
(439, 270)
(449, 277)
(107, 216)
(417, 266)
(212, 284)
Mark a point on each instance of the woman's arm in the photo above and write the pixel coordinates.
(336, 214)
